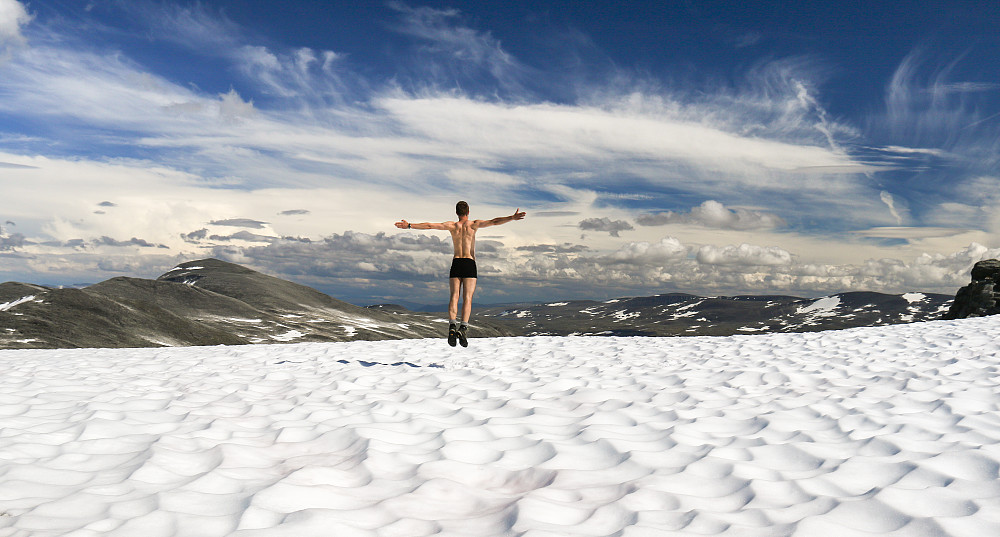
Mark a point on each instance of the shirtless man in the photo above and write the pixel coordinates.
(462, 278)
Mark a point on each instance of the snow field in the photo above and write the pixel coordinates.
(890, 431)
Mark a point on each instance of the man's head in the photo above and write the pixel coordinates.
(462, 208)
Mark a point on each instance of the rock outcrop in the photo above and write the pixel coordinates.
(982, 296)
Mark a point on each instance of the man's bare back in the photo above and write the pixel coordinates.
(463, 275)
(463, 232)
(463, 236)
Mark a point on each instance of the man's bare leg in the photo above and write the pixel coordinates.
(468, 289)
(455, 285)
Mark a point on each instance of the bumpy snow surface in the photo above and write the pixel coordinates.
(875, 431)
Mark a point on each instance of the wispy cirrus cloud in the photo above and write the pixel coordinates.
(453, 52)
(947, 130)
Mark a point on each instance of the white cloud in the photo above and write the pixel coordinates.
(452, 50)
(302, 75)
(964, 87)
(645, 253)
(890, 202)
(13, 17)
(744, 254)
(914, 150)
(713, 214)
(926, 108)
(192, 26)
(232, 107)
(973, 203)
(909, 233)
(468, 176)
(570, 133)
(406, 142)
(614, 227)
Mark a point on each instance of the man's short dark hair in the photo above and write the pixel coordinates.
(462, 208)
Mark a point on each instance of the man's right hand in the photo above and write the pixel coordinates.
(518, 214)
(402, 224)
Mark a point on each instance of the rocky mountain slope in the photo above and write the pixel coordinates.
(683, 314)
(205, 302)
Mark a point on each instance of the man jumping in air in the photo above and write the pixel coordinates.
(462, 278)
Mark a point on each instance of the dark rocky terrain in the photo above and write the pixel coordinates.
(982, 296)
(684, 315)
(205, 302)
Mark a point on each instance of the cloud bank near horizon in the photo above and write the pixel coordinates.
(108, 158)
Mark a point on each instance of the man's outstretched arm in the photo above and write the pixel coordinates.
(518, 215)
(403, 224)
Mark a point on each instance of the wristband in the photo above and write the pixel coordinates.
(409, 226)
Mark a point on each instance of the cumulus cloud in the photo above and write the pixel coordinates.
(13, 17)
(410, 259)
(233, 108)
(713, 214)
(614, 227)
(666, 250)
(744, 254)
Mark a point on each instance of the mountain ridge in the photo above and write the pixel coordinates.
(202, 302)
(213, 302)
(675, 314)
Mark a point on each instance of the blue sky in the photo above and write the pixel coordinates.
(786, 147)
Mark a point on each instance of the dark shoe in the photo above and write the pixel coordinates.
(461, 336)
(452, 335)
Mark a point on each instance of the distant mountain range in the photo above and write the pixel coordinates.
(679, 314)
(211, 302)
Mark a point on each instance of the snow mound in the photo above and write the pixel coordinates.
(871, 431)
(821, 307)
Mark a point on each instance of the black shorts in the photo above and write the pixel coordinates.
(463, 267)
